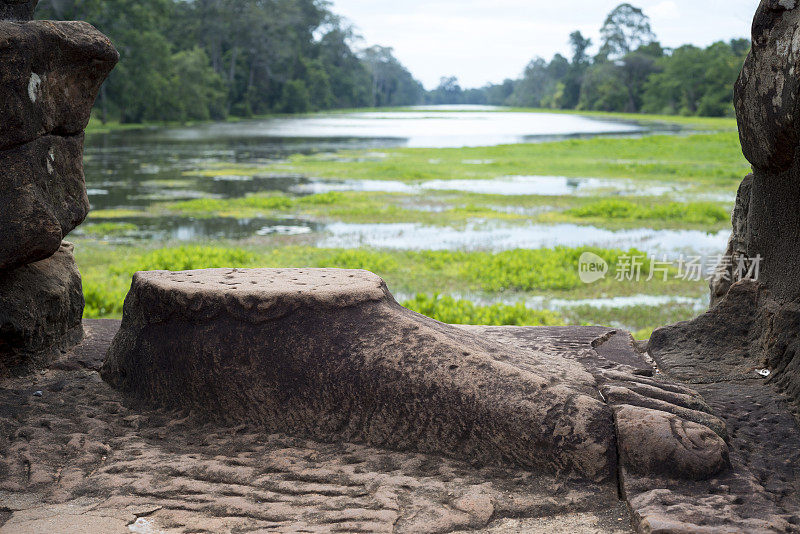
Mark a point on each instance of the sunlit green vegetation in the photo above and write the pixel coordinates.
(704, 214)
(452, 209)
(350, 206)
(458, 311)
(431, 275)
(106, 229)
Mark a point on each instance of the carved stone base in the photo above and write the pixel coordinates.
(41, 306)
(329, 354)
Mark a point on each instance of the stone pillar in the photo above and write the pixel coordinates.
(754, 325)
(767, 99)
(50, 73)
(17, 9)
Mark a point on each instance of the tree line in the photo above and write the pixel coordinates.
(187, 60)
(631, 72)
(208, 59)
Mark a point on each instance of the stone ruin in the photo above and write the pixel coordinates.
(49, 77)
(309, 400)
(756, 324)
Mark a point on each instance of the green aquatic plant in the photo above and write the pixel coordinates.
(189, 257)
(106, 229)
(535, 269)
(707, 213)
(210, 207)
(116, 214)
(449, 310)
(712, 159)
(107, 271)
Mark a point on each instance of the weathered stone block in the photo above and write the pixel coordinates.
(17, 9)
(43, 194)
(51, 74)
(656, 442)
(41, 306)
(329, 354)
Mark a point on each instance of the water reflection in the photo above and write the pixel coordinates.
(192, 229)
(507, 186)
(136, 169)
(423, 128)
(497, 237)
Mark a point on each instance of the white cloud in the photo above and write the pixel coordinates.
(664, 10)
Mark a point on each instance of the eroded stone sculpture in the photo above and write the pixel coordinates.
(50, 73)
(755, 325)
(17, 9)
(329, 354)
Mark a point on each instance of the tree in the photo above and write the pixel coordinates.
(536, 83)
(499, 94)
(183, 60)
(295, 97)
(198, 93)
(392, 84)
(579, 45)
(625, 29)
(635, 68)
(695, 81)
(447, 92)
(603, 89)
(349, 80)
(571, 89)
(197, 59)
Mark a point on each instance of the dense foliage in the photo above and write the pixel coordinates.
(631, 72)
(207, 59)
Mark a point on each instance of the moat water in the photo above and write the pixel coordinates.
(135, 169)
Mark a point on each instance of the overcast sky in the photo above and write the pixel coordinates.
(482, 41)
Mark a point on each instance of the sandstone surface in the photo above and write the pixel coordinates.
(44, 198)
(753, 326)
(81, 454)
(41, 306)
(52, 72)
(328, 354)
(17, 9)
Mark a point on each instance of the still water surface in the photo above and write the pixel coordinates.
(134, 169)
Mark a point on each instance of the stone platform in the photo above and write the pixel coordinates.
(253, 399)
(80, 455)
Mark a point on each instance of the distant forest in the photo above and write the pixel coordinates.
(631, 72)
(208, 59)
(187, 60)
